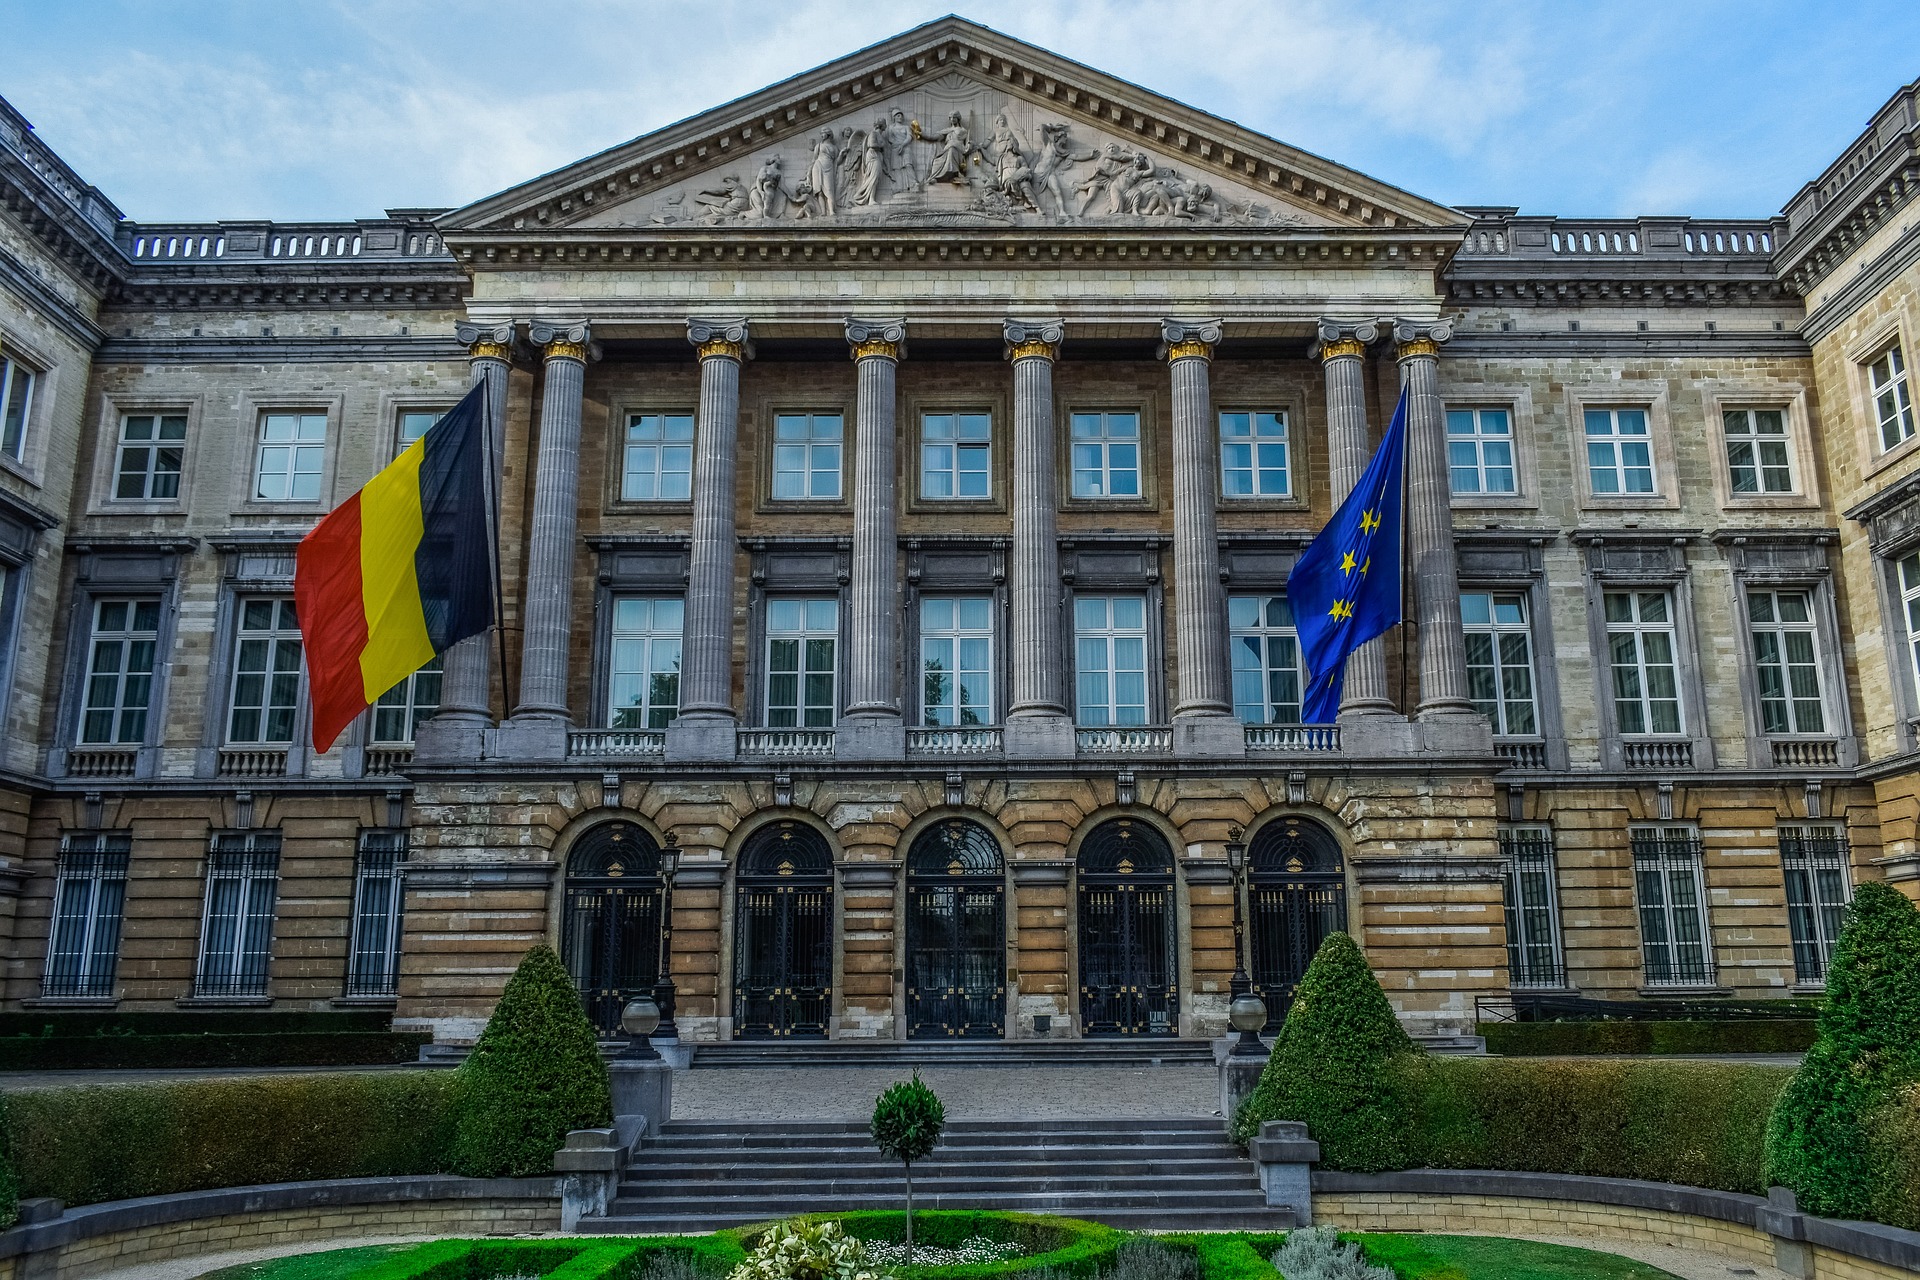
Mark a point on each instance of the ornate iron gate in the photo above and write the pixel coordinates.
(1129, 980)
(611, 930)
(783, 934)
(956, 933)
(1297, 895)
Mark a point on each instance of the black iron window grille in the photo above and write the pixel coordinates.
(1669, 885)
(611, 932)
(1296, 896)
(1814, 860)
(956, 932)
(373, 966)
(89, 899)
(783, 934)
(1128, 966)
(236, 930)
(1535, 957)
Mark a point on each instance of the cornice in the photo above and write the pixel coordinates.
(1872, 181)
(1863, 287)
(53, 206)
(1520, 344)
(292, 350)
(427, 284)
(1509, 260)
(47, 303)
(28, 513)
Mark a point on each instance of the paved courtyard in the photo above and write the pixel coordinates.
(848, 1093)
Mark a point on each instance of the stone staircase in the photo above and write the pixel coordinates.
(1162, 1174)
(1127, 1051)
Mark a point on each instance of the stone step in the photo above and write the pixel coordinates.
(675, 1166)
(1073, 1204)
(1216, 1218)
(847, 1053)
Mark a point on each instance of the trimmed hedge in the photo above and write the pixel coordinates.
(1893, 1156)
(9, 1181)
(1699, 1123)
(1069, 1246)
(93, 1143)
(64, 1023)
(1534, 1039)
(267, 1049)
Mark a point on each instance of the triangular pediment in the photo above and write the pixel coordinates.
(951, 125)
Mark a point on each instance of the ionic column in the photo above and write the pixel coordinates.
(1037, 723)
(1203, 716)
(872, 727)
(1436, 573)
(465, 693)
(548, 611)
(704, 729)
(1343, 351)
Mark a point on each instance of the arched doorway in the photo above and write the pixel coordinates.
(1129, 978)
(783, 934)
(1296, 896)
(956, 932)
(610, 934)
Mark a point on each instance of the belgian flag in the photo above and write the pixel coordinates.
(400, 571)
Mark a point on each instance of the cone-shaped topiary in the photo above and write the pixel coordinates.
(535, 1073)
(1868, 1046)
(1330, 1063)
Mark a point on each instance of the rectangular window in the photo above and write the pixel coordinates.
(1266, 659)
(414, 423)
(1534, 956)
(16, 406)
(1675, 947)
(1892, 399)
(658, 465)
(806, 455)
(1106, 455)
(1758, 460)
(152, 446)
(1819, 886)
(292, 455)
(1255, 457)
(120, 671)
(266, 672)
(374, 963)
(89, 897)
(1619, 452)
(803, 650)
(1110, 659)
(956, 452)
(1640, 642)
(1480, 450)
(956, 660)
(236, 929)
(1786, 661)
(1910, 606)
(1500, 660)
(398, 712)
(643, 678)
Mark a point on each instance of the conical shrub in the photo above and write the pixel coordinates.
(1331, 1066)
(534, 1074)
(1866, 1048)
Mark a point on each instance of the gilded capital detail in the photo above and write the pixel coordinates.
(486, 341)
(562, 342)
(1190, 350)
(1343, 347)
(1189, 339)
(1418, 347)
(877, 339)
(1338, 339)
(1034, 339)
(720, 339)
(1420, 340)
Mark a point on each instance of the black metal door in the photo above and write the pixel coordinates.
(1296, 896)
(956, 933)
(1128, 975)
(783, 935)
(610, 932)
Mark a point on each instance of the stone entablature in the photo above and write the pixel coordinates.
(1861, 192)
(1510, 259)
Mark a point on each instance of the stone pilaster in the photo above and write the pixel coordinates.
(872, 728)
(1343, 349)
(1038, 724)
(1203, 720)
(705, 727)
(1436, 573)
(466, 694)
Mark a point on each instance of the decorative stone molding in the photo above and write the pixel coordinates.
(563, 341)
(486, 341)
(1414, 339)
(721, 339)
(1335, 339)
(1189, 339)
(1034, 339)
(877, 339)
(1033, 873)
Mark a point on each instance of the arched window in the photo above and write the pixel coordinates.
(610, 934)
(783, 933)
(956, 932)
(1129, 970)
(1296, 896)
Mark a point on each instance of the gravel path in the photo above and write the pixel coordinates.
(1032, 1093)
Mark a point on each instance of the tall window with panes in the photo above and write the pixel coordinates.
(657, 458)
(1534, 954)
(1619, 453)
(373, 964)
(1110, 659)
(643, 671)
(1256, 456)
(1813, 859)
(152, 450)
(1266, 659)
(265, 693)
(236, 927)
(1892, 396)
(1669, 887)
(1499, 638)
(1641, 646)
(1105, 455)
(89, 900)
(1758, 459)
(399, 712)
(956, 456)
(1480, 451)
(16, 404)
(1786, 662)
(414, 423)
(120, 657)
(803, 662)
(291, 457)
(956, 660)
(807, 452)
(1908, 570)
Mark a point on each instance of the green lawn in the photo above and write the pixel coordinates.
(1422, 1257)
(311, 1266)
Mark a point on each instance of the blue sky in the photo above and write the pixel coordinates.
(311, 109)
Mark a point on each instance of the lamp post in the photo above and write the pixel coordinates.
(663, 970)
(640, 1019)
(1246, 1012)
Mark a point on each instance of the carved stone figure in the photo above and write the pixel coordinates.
(768, 198)
(1112, 168)
(950, 152)
(902, 170)
(725, 203)
(1058, 154)
(823, 175)
(1013, 171)
(871, 162)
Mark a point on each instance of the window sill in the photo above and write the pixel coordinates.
(17, 467)
(1261, 502)
(1807, 989)
(649, 506)
(1688, 990)
(364, 1002)
(1628, 502)
(1494, 502)
(224, 1002)
(70, 1002)
(1772, 502)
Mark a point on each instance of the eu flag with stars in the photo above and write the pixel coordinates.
(1345, 588)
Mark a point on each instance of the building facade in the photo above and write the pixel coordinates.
(899, 473)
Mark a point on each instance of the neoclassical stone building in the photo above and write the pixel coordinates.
(900, 472)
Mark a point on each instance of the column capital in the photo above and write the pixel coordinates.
(1415, 339)
(1336, 338)
(877, 339)
(1038, 339)
(1189, 339)
(486, 341)
(721, 339)
(563, 341)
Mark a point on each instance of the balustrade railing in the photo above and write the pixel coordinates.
(586, 743)
(1546, 237)
(973, 740)
(388, 759)
(1657, 753)
(94, 762)
(1128, 740)
(249, 762)
(786, 743)
(1815, 753)
(1521, 754)
(184, 244)
(1293, 737)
